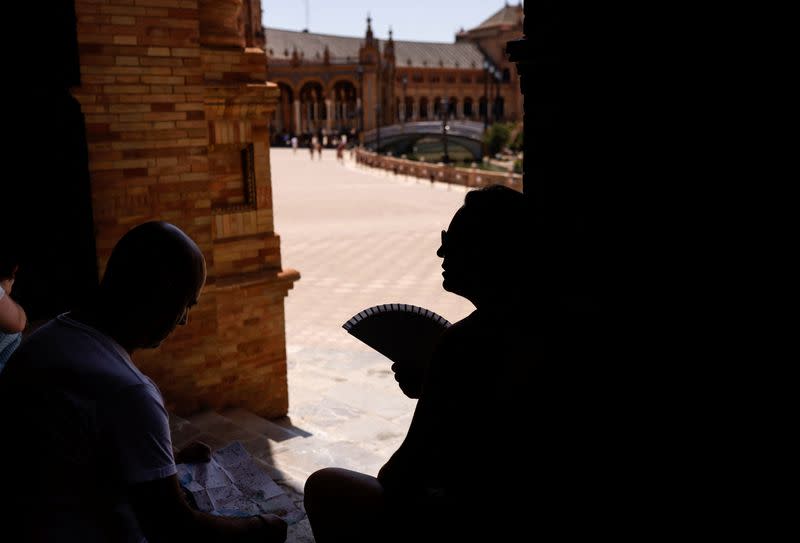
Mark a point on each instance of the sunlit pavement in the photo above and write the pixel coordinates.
(359, 237)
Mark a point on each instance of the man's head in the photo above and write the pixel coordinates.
(484, 243)
(154, 275)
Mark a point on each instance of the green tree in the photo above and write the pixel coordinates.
(496, 137)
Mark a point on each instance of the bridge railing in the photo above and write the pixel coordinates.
(468, 177)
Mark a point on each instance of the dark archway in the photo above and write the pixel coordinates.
(409, 109)
(284, 115)
(468, 112)
(312, 107)
(499, 105)
(345, 106)
(423, 108)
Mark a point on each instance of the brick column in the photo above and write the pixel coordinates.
(177, 127)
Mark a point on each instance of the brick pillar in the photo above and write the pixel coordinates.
(176, 115)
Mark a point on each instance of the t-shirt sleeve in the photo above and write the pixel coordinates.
(140, 434)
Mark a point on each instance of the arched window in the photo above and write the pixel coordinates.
(452, 107)
(482, 107)
(423, 108)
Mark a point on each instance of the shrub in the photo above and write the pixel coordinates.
(496, 137)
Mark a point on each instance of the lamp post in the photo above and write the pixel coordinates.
(360, 74)
(496, 112)
(492, 73)
(405, 113)
(486, 66)
(378, 126)
(445, 128)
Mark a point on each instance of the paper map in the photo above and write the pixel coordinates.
(233, 485)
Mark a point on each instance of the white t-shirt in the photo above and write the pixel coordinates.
(106, 429)
(2, 293)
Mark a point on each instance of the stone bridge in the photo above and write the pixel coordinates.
(464, 139)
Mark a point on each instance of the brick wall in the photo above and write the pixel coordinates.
(176, 124)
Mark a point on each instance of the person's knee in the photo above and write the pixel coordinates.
(318, 486)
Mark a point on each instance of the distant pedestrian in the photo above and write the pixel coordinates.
(312, 146)
(319, 149)
(294, 144)
(340, 152)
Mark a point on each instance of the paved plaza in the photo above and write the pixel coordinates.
(359, 238)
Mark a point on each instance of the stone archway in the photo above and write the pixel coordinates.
(408, 109)
(344, 105)
(284, 114)
(312, 107)
(469, 111)
(452, 108)
(423, 109)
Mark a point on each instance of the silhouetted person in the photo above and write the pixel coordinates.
(86, 442)
(444, 483)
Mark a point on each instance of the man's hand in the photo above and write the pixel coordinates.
(196, 452)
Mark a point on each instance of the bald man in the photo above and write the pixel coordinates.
(92, 457)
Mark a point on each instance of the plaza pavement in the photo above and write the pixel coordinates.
(359, 237)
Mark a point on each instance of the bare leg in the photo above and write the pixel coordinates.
(344, 505)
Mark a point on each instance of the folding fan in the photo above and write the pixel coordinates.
(401, 332)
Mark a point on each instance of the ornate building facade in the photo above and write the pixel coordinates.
(338, 84)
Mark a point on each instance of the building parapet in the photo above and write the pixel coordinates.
(468, 177)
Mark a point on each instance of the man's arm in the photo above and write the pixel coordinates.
(12, 316)
(164, 515)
